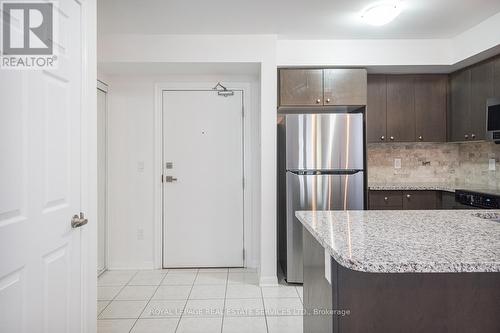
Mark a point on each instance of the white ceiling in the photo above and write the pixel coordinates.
(291, 19)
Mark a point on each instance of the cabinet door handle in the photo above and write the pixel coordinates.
(392, 138)
(386, 198)
(408, 196)
(382, 138)
(420, 138)
(318, 101)
(328, 100)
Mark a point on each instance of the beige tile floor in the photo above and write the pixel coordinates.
(195, 300)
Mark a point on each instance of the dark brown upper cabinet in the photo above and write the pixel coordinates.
(376, 110)
(322, 87)
(430, 107)
(481, 89)
(344, 86)
(470, 88)
(400, 108)
(301, 87)
(459, 117)
(406, 108)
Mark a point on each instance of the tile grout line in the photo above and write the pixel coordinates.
(118, 293)
(264, 307)
(140, 314)
(224, 305)
(187, 299)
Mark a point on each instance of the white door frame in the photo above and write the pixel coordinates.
(158, 161)
(102, 86)
(89, 165)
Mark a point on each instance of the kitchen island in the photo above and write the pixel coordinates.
(401, 271)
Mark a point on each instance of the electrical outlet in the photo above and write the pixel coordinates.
(397, 163)
(492, 164)
(140, 234)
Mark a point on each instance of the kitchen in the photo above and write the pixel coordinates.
(259, 166)
(430, 159)
(409, 105)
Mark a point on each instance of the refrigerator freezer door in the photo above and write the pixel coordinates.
(316, 192)
(324, 141)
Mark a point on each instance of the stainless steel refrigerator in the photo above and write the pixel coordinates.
(321, 166)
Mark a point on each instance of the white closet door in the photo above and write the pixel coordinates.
(40, 189)
(101, 180)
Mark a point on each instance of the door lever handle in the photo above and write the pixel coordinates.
(78, 221)
(170, 179)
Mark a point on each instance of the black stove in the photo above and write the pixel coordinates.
(478, 199)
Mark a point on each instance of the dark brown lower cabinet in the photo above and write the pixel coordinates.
(410, 200)
(363, 302)
(416, 302)
(385, 200)
(421, 200)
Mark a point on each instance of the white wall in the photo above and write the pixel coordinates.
(130, 49)
(374, 52)
(131, 140)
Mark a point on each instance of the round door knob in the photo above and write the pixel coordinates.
(473, 136)
(318, 101)
(382, 138)
(392, 138)
(386, 198)
(408, 196)
(328, 100)
(466, 136)
(420, 138)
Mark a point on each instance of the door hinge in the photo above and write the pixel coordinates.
(243, 182)
(243, 112)
(243, 254)
(162, 178)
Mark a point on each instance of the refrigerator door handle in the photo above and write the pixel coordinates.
(325, 172)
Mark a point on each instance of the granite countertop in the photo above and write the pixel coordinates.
(494, 190)
(413, 187)
(433, 241)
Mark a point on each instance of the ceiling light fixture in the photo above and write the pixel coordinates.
(381, 13)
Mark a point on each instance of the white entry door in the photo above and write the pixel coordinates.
(203, 202)
(40, 189)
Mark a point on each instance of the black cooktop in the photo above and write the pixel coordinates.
(479, 198)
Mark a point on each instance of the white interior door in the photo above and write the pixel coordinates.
(203, 207)
(101, 180)
(40, 189)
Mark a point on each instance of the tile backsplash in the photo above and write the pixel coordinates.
(464, 163)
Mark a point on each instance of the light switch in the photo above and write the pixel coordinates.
(492, 164)
(397, 163)
(140, 166)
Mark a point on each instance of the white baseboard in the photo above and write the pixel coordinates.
(121, 267)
